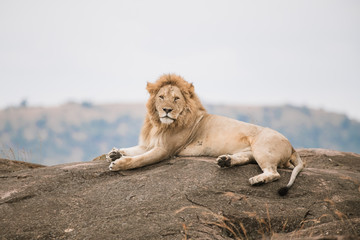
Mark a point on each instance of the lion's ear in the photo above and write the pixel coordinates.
(191, 90)
(150, 87)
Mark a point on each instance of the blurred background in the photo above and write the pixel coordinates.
(73, 73)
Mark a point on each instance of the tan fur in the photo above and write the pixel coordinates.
(176, 123)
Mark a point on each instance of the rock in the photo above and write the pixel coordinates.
(182, 198)
(7, 166)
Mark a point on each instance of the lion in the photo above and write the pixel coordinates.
(177, 124)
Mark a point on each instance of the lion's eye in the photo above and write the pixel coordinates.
(161, 97)
(176, 98)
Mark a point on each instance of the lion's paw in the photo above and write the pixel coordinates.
(111, 166)
(113, 155)
(124, 163)
(224, 161)
(115, 166)
(256, 181)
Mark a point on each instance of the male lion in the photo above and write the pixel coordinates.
(177, 124)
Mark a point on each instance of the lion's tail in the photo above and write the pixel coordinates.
(298, 166)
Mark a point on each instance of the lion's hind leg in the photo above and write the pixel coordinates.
(268, 175)
(239, 158)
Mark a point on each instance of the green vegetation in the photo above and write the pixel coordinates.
(80, 132)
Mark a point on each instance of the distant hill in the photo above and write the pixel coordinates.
(80, 132)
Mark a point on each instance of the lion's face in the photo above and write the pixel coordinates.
(170, 103)
(173, 104)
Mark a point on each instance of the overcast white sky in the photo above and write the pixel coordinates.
(238, 52)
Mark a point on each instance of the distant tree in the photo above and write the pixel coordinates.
(87, 104)
(24, 103)
(41, 123)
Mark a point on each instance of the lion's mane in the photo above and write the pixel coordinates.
(191, 111)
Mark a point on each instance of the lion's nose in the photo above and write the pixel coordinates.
(167, 110)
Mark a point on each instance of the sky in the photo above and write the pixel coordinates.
(304, 53)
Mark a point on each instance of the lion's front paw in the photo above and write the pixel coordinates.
(115, 166)
(111, 167)
(224, 161)
(123, 163)
(113, 155)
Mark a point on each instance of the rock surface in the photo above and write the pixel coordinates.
(7, 166)
(182, 198)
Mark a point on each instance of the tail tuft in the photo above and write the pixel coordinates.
(283, 191)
